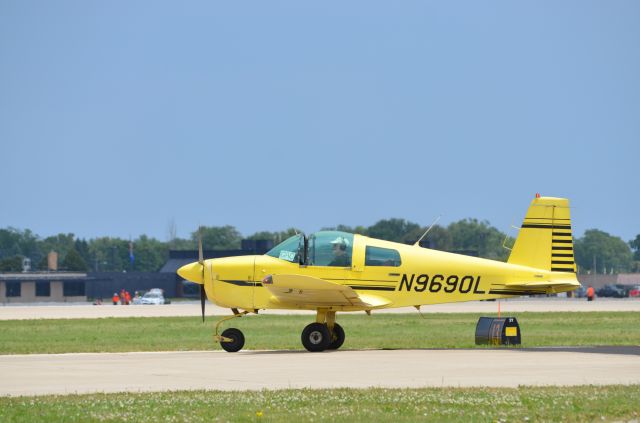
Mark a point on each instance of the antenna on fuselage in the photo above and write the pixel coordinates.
(417, 244)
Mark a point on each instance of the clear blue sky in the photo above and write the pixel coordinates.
(118, 116)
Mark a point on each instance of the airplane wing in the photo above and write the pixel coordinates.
(307, 291)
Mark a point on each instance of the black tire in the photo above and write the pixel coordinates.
(315, 337)
(237, 340)
(337, 337)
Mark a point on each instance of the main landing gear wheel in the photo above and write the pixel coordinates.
(315, 337)
(237, 340)
(337, 337)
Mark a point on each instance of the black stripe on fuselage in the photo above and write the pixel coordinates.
(242, 283)
(372, 288)
(366, 287)
(562, 255)
(359, 280)
(562, 269)
(562, 248)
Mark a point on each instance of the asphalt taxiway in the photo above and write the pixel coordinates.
(41, 374)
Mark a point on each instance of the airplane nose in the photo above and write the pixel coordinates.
(192, 272)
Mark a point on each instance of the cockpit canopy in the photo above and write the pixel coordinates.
(324, 248)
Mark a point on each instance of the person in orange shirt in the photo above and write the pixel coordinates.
(127, 297)
(591, 293)
(115, 298)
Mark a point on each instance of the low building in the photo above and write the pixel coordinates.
(53, 286)
(31, 287)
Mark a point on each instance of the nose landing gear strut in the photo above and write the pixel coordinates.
(232, 339)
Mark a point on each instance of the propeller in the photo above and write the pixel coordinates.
(202, 298)
(203, 294)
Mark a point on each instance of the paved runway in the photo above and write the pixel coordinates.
(192, 308)
(249, 370)
(41, 374)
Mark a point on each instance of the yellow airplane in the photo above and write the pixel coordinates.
(331, 271)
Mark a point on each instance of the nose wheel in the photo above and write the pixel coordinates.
(232, 340)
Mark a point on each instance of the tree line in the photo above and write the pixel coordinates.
(595, 251)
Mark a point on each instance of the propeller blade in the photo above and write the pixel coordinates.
(203, 293)
(200, 252)
(203, 296)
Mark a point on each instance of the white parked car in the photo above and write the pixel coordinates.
(152, 298)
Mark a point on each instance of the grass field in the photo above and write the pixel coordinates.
(575, 404)
(283, 332)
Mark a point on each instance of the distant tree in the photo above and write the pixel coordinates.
(361, 230)
(172, 230)
(397, 230)
(149, 254)
(276, 237)
(61, 243)
(610, 252)
(16, 242)
(9, 242)
(218, 237)
(11, 264)
(82, 247)
(74, 262)
(438, 238)
(44, 263)
(109, 254)
(183, 244)
(635, 245)
(480, 236)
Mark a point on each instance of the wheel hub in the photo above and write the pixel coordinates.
(315, 337)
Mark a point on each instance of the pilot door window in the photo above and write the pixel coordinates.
(330, 248)
(376, 256)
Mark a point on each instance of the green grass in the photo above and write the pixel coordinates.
(282, 332)
(574, 404)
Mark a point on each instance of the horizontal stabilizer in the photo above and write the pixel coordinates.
(548, 287)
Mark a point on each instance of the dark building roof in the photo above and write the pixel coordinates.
(44, 276)
(178, 258)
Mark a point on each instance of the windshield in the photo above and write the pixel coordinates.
(330, 248)
(288, 249)
(325, 248)
(151, 295)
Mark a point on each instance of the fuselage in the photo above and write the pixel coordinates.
(421, 276)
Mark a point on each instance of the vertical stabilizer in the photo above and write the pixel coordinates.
(545, 240)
